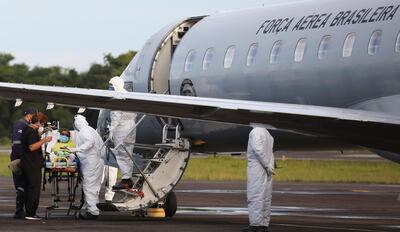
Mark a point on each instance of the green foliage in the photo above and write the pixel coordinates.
(97, 77)
(233, 168)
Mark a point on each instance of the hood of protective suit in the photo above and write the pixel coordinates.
(80, 122)
(118, 83)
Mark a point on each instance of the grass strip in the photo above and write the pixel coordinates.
(227, 168)
(4, 160)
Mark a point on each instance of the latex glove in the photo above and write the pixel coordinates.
(270, 171)
(72, 149)
(111, 136)
(48, 139)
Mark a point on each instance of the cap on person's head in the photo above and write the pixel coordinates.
(30, 110)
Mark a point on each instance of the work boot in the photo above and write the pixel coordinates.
(124, 184)
(255, 229)
(88, 216)
(19, 203)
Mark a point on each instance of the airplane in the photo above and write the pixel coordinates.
(319, 74)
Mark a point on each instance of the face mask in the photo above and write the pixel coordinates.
(40, 129)
(64, 138)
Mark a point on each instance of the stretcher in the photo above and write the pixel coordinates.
(62, 172)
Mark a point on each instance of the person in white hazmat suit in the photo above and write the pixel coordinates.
(88, 145)
(122, 132)
(110, 173)
(260, 168)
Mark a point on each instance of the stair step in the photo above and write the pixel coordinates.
(107, 207)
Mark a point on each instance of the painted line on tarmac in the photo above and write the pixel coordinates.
(211, 191)
(240, 191)
(344, 217)
(281, 211)
(326, 228)
(276, 210)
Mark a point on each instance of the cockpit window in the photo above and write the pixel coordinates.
(229, 55)
(275, 52)
(300, 50)
(324, 47)
(251, 55)
(189, 60)
(208, 56)
(374, 42)
(397, 48)
(349, 44)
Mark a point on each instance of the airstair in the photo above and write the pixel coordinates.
(155, 176)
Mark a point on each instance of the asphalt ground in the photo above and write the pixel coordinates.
(221, 206)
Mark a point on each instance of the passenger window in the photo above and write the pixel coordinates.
(348, 44)
(208, 58)
(397, 49)
(275, 52)
(189, 60)
(374, 42)
(251, 55)
(324, 47)
(229, 55)
(300, 50)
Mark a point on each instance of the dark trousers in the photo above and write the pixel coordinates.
(20, 185)
(19, 180)
(33, 177)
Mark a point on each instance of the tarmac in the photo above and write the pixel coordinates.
(221, 206)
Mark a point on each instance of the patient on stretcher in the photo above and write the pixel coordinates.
(59, 152)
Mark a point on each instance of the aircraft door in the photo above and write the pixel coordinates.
(159, 78)
(161, 62)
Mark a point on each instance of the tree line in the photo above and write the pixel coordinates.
(96, 77)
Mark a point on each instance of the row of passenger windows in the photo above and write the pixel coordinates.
(300, 50)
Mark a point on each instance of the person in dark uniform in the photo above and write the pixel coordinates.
(16, 151)
(32, 163)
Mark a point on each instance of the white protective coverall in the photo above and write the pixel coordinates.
(112, 174)
(110, 167)
(88, 144)
(122, 123)
(260, 168)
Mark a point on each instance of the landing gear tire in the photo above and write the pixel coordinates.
(170, 205)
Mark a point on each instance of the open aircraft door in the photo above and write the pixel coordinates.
(159, 75)
(160, 170)
(160, 67)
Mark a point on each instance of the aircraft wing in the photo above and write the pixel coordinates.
(364, 128)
